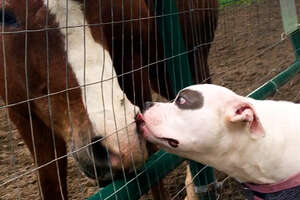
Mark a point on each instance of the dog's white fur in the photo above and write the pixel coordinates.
(255, 141)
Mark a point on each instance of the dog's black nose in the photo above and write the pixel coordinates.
(147, 105)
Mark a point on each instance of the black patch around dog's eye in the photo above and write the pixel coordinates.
(189, 99)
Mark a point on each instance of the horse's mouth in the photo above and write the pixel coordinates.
(99, 162)
(104, 176)
(99, 170)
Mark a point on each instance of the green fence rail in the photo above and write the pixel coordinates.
(157, 167)
(161, 163)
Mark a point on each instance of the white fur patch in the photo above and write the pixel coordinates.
(92, 64)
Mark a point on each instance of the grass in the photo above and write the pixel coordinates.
(224, 3)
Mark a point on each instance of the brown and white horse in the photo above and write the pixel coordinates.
(76, 72)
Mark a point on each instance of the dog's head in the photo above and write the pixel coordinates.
(202, 118)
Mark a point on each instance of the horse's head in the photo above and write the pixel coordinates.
(49, 55)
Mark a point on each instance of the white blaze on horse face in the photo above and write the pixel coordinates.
(108, 108)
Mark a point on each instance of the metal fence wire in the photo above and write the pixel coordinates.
(74, 74)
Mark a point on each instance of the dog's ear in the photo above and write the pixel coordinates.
(243, 113)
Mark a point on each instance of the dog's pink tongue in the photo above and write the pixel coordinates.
(140, 122)
(140, 118)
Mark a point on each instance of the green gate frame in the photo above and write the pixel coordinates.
(161, 163)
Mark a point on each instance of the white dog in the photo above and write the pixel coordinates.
(255, 141)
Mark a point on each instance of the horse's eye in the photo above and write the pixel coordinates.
(7, 18)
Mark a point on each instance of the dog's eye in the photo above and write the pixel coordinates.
(7, 18)
(180, 100)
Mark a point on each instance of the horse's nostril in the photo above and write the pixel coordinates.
(147, 105)
(100, 153)
(103, 156)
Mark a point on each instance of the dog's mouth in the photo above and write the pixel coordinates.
(172, 142)
(143, 129)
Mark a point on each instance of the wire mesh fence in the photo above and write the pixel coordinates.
(53, 70)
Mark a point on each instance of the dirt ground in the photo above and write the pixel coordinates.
(248, 50)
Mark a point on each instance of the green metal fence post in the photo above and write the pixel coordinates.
(295, 39)
(179, 72)
(290, 24)
(173, 44)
